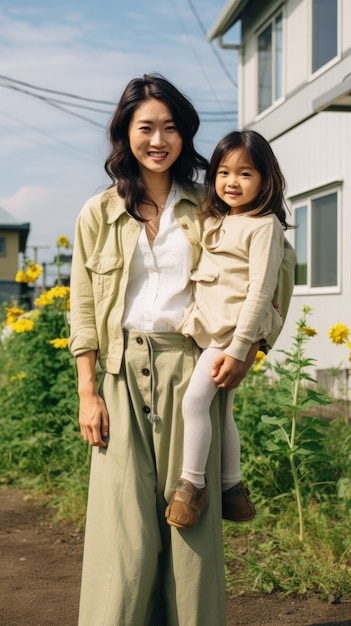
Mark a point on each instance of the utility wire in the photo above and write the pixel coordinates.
(215, 51)
(197, 57)
(17, 85)
(83, 153)
(52, 103)
(54, 91)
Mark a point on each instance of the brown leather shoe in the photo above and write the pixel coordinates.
(186, 504)
(236, 504)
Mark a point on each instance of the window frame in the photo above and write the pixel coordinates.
(307, 200)
(3, 249)
(275, 101)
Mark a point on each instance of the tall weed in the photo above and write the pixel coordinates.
(295, 543)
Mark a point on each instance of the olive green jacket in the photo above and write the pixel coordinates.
(105, 239)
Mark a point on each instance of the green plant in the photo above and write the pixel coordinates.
(300, 441)
(268, 554)
(40, 444)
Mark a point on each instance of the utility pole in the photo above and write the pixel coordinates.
(35, 249)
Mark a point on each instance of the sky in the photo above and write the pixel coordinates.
(51, 159)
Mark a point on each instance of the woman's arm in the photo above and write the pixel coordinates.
(93, 416)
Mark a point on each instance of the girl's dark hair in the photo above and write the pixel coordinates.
(259, 153)
(121, 165)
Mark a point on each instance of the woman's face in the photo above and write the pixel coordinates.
(153, 136)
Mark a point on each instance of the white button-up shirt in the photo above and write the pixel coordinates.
(159, 288)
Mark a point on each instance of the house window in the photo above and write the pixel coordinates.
(2, 246)
(316, 241)
(324, 32)
(270, 63)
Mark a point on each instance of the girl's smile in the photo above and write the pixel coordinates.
(237, 181)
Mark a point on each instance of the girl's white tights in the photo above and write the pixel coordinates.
(198, 430)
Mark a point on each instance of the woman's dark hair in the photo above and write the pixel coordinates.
(259, 153)
(121, 165)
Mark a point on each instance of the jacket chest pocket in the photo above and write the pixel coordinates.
(105, 273)
(203, 277)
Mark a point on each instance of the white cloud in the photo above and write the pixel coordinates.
(24, 200)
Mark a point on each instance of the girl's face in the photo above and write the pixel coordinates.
(153, 137)
(237, 181)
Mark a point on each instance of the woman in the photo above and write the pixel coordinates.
(136, 245)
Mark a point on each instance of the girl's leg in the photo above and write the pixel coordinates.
(197, 421)
(236, 503)
(230, 473)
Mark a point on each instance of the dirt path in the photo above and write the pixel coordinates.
(40, 574)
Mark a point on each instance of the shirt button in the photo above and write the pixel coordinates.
(185, 226)
(146, 409)
(146, 371)
(139, 340)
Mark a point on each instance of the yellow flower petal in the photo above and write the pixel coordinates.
(63, 241)
(309, 331)
(22, 325)
(339, 333)
(59, 342)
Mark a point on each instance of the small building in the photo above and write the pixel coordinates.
(13, 241)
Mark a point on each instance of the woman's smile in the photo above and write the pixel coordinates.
(154, 138)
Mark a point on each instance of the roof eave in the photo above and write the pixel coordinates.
(230, 14)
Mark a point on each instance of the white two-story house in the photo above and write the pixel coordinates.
(294, 77)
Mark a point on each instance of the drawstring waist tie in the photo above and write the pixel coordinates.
(157, 342)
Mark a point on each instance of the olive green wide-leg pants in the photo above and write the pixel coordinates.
(137, 570)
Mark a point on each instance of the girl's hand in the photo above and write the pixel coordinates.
(226, 371)
(229, 372)
(93, 420)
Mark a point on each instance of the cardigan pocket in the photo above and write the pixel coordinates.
(201, 277)
(105, 273)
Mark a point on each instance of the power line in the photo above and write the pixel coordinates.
(214, 50)
(51, 102)
(196, 55)
(83, 153)
(54, 91)
(29, 89)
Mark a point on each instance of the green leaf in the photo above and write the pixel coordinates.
(316, 397)
(275, 421)
(272, 446)
(308, 446)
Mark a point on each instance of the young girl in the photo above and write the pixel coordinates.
(243, 249)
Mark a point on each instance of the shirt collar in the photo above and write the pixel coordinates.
(117, 204)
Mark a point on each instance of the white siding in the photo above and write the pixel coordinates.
(314, 154)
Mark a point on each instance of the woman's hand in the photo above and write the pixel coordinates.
(93, 415)
(93, 420)
(228, 372)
